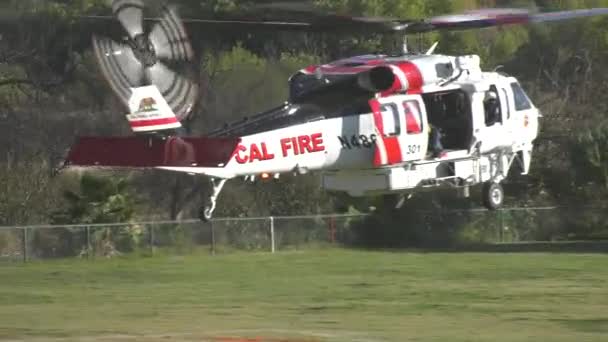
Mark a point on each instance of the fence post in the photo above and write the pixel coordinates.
(502, 225)
(272, 246)
(212, 237)
(24, 247)
(332, 230)
(88, 231)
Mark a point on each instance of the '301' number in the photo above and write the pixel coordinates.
(413, 149)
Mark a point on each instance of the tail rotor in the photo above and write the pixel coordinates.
(161, 56)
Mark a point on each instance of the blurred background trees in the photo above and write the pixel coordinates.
(51, 92)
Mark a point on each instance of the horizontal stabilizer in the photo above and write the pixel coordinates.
(148, 152)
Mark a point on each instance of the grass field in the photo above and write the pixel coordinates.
(315, 295)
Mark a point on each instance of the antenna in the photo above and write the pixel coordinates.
(432, 49)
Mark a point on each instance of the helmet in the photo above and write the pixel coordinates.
(490, 95)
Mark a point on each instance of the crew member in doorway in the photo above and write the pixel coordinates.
(492, 108)
(435, 142)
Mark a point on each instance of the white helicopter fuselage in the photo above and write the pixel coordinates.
(429, 122)
(344, 149)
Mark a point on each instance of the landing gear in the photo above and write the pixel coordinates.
(493, 195)
(206, 211)
(401, 200)
(396, 201)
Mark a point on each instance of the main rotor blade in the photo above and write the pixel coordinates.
(503, 16)
(118, 65)
(469, 20)
(340, 23)
(180, 92)
(289, 6)
(170, 39)
(130, 15)
(326, 23)
(564, 15)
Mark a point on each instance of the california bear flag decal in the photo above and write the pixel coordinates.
(149, 111)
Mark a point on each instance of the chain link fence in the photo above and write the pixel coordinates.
(171, 237)
(508, 227)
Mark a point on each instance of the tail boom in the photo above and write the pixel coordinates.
(151, 152)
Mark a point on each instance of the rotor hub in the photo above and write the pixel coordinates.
(144, 51)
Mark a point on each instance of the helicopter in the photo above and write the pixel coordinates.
(375, 124)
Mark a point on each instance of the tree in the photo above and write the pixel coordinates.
(26, 190)
(591, 155)
(99, 200)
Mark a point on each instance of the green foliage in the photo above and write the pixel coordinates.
(242, 82)
(65, 9)
(25, 190)
(592, 152)
(97, 200)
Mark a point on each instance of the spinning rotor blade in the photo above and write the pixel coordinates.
(170, 39)
(311, 19)
(118, 65)
(179, 91)
(497, 17)
(324, 23)
(469, 20)
(564, 15)
(130, 15)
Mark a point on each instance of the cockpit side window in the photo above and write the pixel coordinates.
(390, 116)
(522, 102)
(413, 117)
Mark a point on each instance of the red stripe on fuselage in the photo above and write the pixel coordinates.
(153, 122)
(414, 77)
(393, 150)
(391, 144)
(375, 106)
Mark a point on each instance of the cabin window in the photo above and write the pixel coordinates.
(390, 119)
(522, 102)
(506, 97)
(413, 117)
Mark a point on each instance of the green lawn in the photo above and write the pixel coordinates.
(314, 295)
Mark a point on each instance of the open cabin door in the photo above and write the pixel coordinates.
(401, 126)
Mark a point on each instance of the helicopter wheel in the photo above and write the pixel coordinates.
(493, 195)
(205, 214)
(396, 201)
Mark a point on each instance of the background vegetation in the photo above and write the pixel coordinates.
(51, 92)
